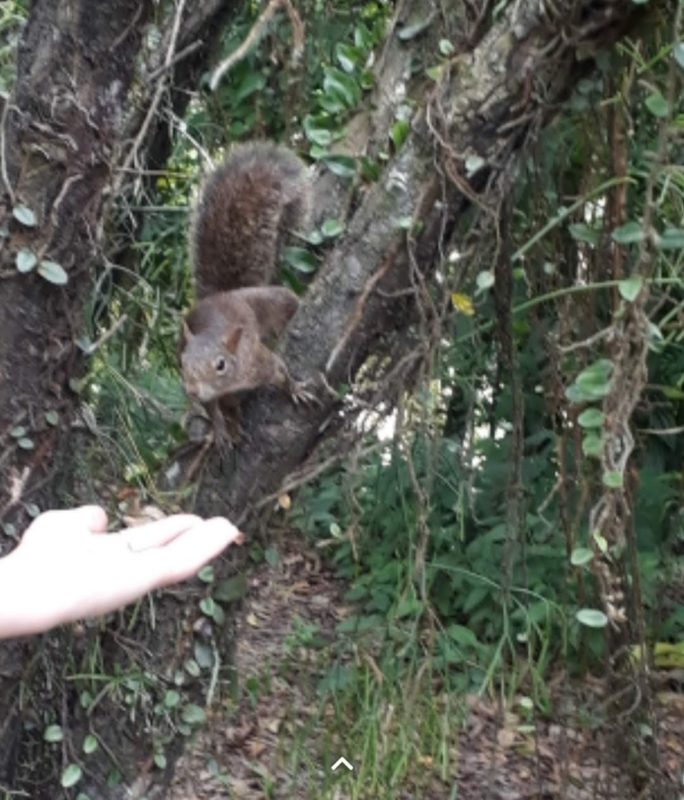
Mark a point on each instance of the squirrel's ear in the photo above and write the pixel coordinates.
(232, 339)
(186, 332)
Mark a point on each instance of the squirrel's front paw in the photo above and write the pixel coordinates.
(301, 393)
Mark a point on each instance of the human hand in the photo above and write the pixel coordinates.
(67, 567)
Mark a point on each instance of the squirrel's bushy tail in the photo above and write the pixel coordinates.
(245, 208)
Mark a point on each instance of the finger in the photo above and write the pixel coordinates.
(186, 554)
(92, 518)
(160, 532)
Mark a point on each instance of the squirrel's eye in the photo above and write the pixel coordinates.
(220, 365)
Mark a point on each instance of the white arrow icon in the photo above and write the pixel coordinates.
(340, 761)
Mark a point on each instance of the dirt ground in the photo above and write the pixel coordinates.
(243, 751)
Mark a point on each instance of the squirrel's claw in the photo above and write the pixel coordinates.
(300, 394)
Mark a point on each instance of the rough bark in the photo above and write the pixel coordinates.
(75, 109)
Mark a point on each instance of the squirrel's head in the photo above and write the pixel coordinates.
(209, 365)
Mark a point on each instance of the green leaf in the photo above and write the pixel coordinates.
(629, 233)
(584, 233)
(485, 280)
(398, 133)
(206, 574)
(332, 228)
(272, 556)
(18, 431)
(203, 655)
(25, 260)
(594, 380)
(592, 618)
(300, 259)
(342, 166)
(414, 29)
(90, 744)
(592, 445)
(473, 164)
(231, 589)
(252, 82)
(208, 606)
(341, 86)
(581, 556)
(25, 443)
(316, 132)
(591, 418)
(613, 479)
(192, 668)
(159, 760)
(657, 104)
(630, 288)
(52, 417)
(601, 542)
(410, 607)
(71, 776)
(348, 56)
(53, 272)
(678, 53)
(193, 714)
(446, 48)
(24, 215)
(670, 239)
(53, 733)
(171, 698)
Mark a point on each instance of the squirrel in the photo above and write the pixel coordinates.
(246, 208)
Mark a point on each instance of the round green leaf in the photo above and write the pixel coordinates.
(159, 760)
(207, 605)
(670, 239)
(53, 272)
(206, 574)
(581, 556)
(473, 164)
(485, 280)
(53, 733)
(594, 380)
(193, 714)
(172, 698)
(592, 445)
(24, 215)
(657, 104)
(592, 618)
(584, 233)
(25, 443)
(629, 233)
(71, 776)
(446, 48)
(203, 655)
(90, 744)
(630, 288)
(591, 418)
(25, 260)
(613, 479)
(52, 417)
(331, 228)
(192, 668)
